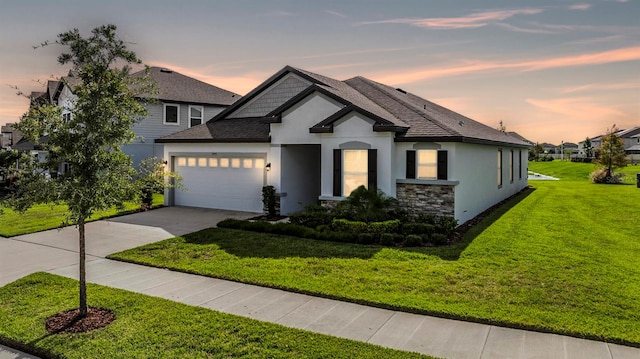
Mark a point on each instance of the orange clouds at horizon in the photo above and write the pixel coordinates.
(470, 66)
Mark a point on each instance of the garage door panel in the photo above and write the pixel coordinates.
(222, 187)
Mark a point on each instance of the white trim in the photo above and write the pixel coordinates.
(164, 114)
(201, 108)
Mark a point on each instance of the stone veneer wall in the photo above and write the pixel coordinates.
(420, 199)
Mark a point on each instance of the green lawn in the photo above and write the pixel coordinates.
(152, 327)
(563, 257)
(44, 216)
(575, 171)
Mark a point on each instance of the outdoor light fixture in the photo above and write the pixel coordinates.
(268, 166)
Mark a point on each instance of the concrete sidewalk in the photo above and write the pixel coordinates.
(55, 251)
(411, 332)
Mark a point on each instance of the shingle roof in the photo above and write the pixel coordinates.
(229, 130)
(427, 119)
(173, 86)
(414, 117)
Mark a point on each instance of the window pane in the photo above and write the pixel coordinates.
(213, 162)
(195, 112)
(191, 161)
(260, 163)
(171, 114)
(427, 171)
(427, 157)
(353, 181)
(202, 162)
(235, 162)
(195, 122)
(355, 161)
(182, 161)
(247, 163)
(224, 162)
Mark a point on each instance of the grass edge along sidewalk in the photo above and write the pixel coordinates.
(46, 216)
(148, 325)
(523, 266)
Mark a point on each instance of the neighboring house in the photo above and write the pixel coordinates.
(180, 103)
(9, 136)
(315, 139)
(549, 148)
(630, 139)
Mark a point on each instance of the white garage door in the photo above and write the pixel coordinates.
(225, 182)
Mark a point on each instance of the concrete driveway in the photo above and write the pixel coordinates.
(48, 250)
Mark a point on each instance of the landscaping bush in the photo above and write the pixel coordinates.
(413, 240)
(312, 216)
(418, 228)
(366, 238)
(269, 199)
(446, 225)
(230, 223)
(600, 176)
(438, 239)
(368, 205)
(391, 226)
(388, 239)
(345, 225)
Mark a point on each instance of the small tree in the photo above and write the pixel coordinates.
(537, 150)
(151, 177)
(587, 147)
(612, 155)
(501, 127)
(269, 200)
(103, 114)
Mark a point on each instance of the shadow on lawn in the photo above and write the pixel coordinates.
(247, 244)
(479, 224)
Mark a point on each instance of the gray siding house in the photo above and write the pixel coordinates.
(179, 103)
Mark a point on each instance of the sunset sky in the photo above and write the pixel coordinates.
(550, 70)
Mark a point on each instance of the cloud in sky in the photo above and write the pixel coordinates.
(599, 87)
(580, 7)
(336, 13)
(470, 66)
(475, 20)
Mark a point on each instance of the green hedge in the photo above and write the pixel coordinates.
(387, 233)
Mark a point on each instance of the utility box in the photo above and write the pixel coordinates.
(638, 180)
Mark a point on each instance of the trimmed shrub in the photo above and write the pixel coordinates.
(413, 240)
(230, 223)
(398, 238)
(446, 225)
(387, 239)
(439, 239)
(391, 226)
(312, 216)
(366, 238)
(345, 225)
(418, 228)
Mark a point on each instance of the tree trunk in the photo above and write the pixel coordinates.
(83, 279)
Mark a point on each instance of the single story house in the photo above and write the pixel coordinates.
(316, 139)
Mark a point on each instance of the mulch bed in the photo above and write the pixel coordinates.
(68, 322)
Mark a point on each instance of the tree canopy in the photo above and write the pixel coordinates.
(103, 111)
(612, 155)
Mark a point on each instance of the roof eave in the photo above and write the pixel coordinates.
(214, 140)
(461, 139)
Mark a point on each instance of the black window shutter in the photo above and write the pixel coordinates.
(372, 159)
(337, 172)
(411, 164)
(443, 165)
